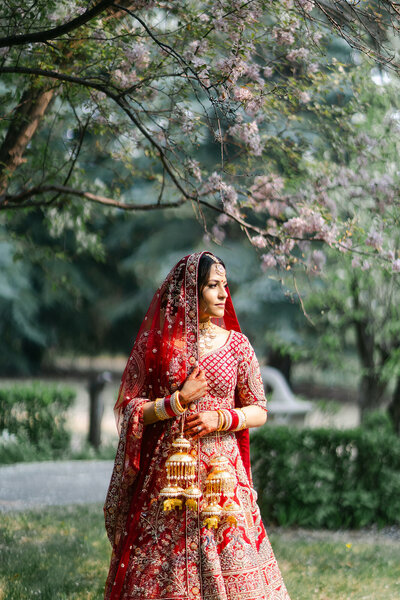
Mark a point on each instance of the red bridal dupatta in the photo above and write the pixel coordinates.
(164, 354)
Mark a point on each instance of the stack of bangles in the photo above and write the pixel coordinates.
(168, 407)
(231, 419)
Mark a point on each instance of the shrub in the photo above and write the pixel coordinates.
(328, 478)
(33, 421)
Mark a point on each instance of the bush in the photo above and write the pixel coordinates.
(33, 421)
(328, 478)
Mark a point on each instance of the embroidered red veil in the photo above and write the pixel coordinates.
(163, 355)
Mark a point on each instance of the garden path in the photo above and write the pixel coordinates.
(34, 485)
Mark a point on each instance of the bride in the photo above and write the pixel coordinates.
(181, 511)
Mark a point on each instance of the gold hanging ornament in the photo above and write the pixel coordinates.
(181, 472)
(220, 483)
(231, 510)
(211, 514)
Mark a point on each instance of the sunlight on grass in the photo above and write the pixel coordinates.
(325, 570)
(63, 554)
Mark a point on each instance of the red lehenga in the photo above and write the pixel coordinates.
(161, 555)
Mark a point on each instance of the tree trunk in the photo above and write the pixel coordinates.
(96, 409)
(371, 392)
(26, 118)
(394, 407)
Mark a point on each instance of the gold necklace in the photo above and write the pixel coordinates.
(207, 335)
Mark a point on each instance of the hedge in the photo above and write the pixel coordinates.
(327, 478)
(33, 420)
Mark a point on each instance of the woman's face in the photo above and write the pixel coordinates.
(214, 295)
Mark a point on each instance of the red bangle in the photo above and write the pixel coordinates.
(235, 420)
(168, 407)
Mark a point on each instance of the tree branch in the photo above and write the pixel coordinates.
(120, 101)
(8, 201)
(55, 32)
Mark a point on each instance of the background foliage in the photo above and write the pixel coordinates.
(33, 422)
(328, 478)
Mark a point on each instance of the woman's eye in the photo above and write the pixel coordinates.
(212, 285)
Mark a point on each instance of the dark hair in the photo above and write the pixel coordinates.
(205, 264)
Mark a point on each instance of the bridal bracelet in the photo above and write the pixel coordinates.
(228, 419)
(168, 407)
(231, 420)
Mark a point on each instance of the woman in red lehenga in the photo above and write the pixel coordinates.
(193, 534)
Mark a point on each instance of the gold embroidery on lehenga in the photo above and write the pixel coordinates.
(174, 557)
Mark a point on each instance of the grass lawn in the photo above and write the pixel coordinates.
(63, 553)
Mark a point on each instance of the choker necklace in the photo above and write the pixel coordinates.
(207, 335)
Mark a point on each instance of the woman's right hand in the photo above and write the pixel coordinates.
(194, 388)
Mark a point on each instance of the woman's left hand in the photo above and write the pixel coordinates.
(198, 425)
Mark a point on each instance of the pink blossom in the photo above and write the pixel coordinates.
(222, 219)
(213, 183)
(249, 134)
(197, 62)
(125, 79)
(396, 265)
(312, 68)
(296, 226)
(266, 186)
(308, 222)
(139, 55)
(232, 67)
(390, 255)
(194, 168)
(186, 118)
(268, 71)
(355, 262)
(253, 72)
(298, 54)
(317, 36)
(345, 245)
(282, 36)
(218, 233)
(286, 246)
(325, 200)
(365, 265)
(197, 47)
(327, 234)
(304, 97)
(242, 94)
(274, 207)
(374, 239)
(281, 260)
(259, 241)
(220, 22)
(229, 193)
(306, 5)
(268, 261)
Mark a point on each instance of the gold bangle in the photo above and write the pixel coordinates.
(158, 415)
(223, 420)
(177, 403)
(244, 424)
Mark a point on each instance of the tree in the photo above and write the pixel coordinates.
(205, 104)
(353, 304)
